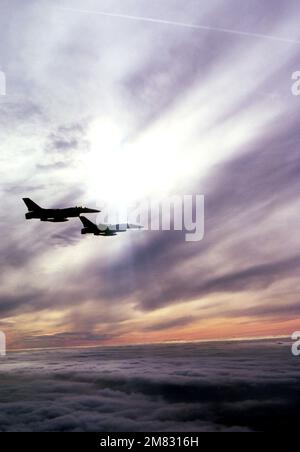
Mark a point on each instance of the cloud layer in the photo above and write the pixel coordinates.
(184, 387)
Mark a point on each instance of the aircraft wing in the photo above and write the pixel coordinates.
(56, 220)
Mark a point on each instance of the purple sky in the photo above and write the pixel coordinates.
(106, 109)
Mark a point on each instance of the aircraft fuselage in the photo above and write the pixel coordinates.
(54, 214)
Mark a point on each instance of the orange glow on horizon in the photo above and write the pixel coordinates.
(216, 330)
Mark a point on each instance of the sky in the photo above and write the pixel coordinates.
(101, 109)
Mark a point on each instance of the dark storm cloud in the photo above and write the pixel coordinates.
(184, 387)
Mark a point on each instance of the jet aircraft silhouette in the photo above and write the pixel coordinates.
(105, 230)
(54, 215)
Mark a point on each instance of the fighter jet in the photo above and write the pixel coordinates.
(53, 215)
(105, 230)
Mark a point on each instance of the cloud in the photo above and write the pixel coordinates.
(242, 214)
(61, 339)
(159, 263)
(168, 324)
(67, 139)
(184, 387)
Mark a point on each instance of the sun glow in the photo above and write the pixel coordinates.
(124, 171)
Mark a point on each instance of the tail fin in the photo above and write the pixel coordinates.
(31, 206)
(87, 223)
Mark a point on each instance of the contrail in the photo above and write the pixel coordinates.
(183, 24)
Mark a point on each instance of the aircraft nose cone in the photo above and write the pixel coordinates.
(91, 211)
